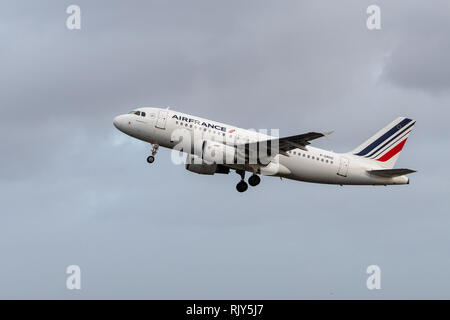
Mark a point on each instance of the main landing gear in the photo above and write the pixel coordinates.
(151, 159)
(242, 186)
(254, 180)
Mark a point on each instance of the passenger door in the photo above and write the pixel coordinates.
(162, 118)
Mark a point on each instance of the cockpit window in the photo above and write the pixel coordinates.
(137, 113)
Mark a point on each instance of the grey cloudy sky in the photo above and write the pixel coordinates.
(74, 190)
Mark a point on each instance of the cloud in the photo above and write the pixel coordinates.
(419, 58)
(75, 190)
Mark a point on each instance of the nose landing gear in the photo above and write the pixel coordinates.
(151, 159)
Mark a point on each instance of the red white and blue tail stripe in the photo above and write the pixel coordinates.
(386, 145)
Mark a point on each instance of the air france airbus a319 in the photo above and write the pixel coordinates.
(214, 147)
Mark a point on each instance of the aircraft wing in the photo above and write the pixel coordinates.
(299, 141)
(286, 144)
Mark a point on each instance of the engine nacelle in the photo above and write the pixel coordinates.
(216, 152)
(197, 165)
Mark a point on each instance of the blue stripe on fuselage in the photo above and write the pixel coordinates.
(385, 136)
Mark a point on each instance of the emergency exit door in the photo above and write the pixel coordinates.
(343, 167)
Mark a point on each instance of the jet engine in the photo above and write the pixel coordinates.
(216, 152)
(197, 165)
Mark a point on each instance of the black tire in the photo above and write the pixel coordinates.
(254, 180)
(242, 186)
(150, 159)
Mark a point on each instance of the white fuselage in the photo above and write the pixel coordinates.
(316, 165)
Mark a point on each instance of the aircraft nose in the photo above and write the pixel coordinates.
(116, 122)
(119, 122)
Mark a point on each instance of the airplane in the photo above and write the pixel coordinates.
(213, 147)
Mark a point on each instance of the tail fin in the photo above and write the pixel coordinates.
(386, 144)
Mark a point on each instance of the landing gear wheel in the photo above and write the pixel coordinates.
(254, 180)
(150, 159)
(242, 186)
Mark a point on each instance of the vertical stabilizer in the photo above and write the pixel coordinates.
(385, 146)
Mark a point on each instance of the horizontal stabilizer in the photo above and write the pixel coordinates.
(390, 173)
